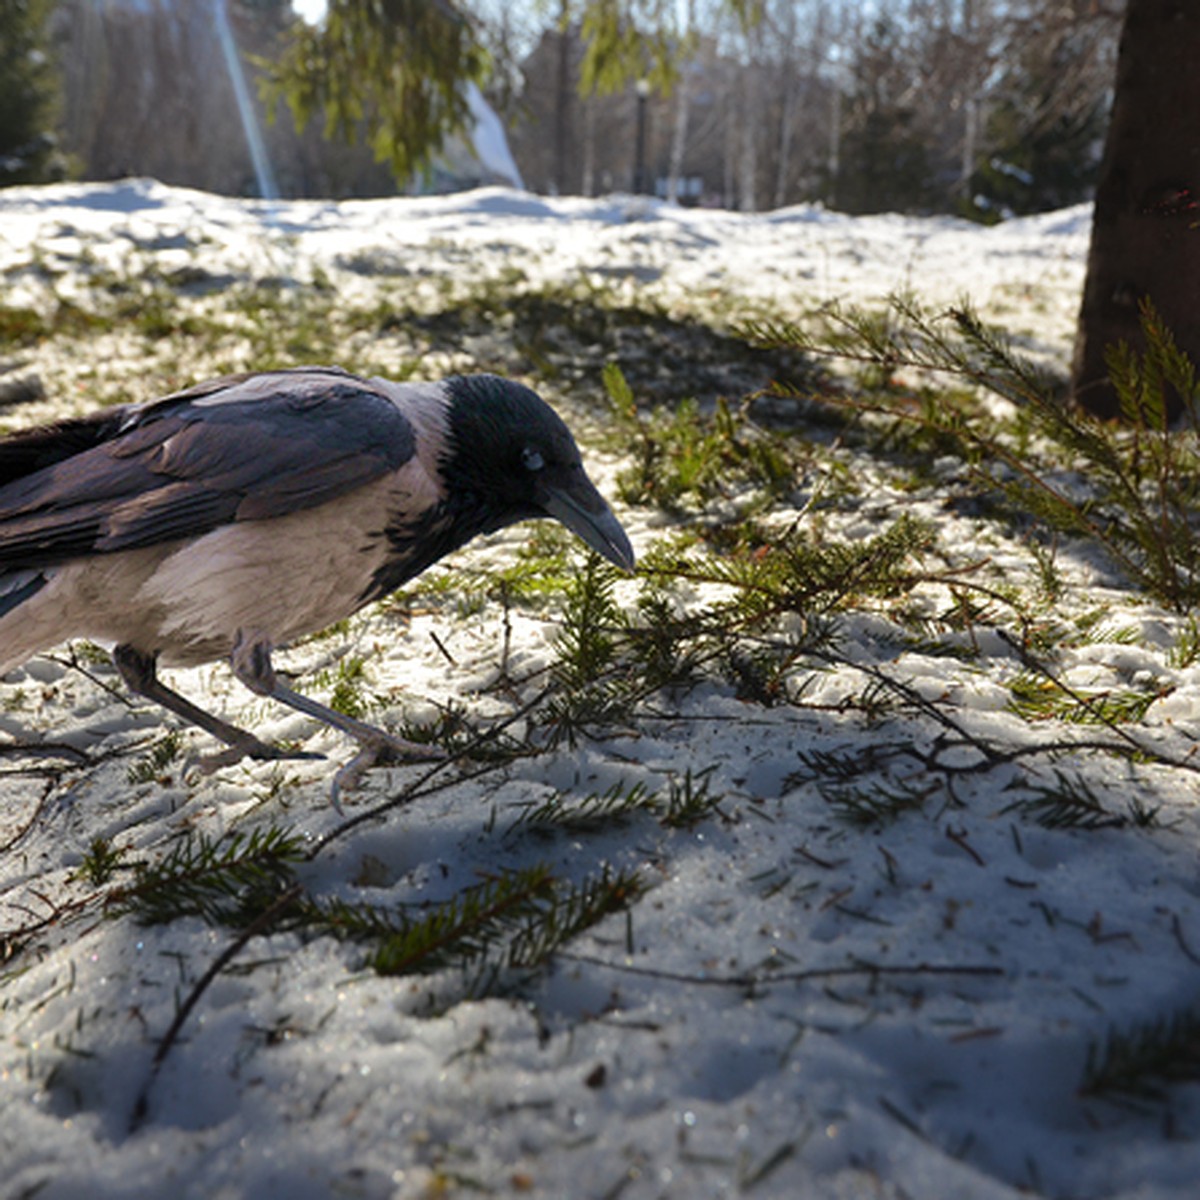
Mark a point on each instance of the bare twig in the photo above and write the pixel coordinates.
(258, 926)
(759, 978)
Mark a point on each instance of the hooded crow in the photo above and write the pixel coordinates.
(241, 514)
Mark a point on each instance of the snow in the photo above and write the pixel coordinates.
(1030, 273)
(489, 141)
(798, 1006)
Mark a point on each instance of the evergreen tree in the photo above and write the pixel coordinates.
(399, 70)
(396, 70)
(1045, 127)
(28, 95)
(884, 161)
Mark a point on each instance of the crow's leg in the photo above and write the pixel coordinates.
(251, 662)
(137, 669)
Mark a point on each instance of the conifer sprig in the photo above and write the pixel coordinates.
(1142, 1061)
(1132, 488)
(226, 880)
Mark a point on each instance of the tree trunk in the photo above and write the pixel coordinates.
(562, 112)
(751, 116)
(678, 137)
(790, 70)
(589, 146)
(1146, 228)
(683, 99)
(833, 163)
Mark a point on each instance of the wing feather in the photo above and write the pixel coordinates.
(244, 448)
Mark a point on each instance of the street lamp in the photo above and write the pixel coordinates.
(642, 87)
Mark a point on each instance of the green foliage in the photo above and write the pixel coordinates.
(465, 927)
(1071, 804)
(606, 660)
(26, 326)
(870, 803)
(1141, 1062)
(586, 649)
(626, 40)
(1186, 650)
(664, 640)
(797, 571)
(28, 95)
(1043, 126)
(152, 765)
(101, 862)
(346, 682)
(682, 454)
(687, 802)
(885, 151)
(574, 910)
(1149, 384)
(593, 812)
(397, 70)
(775, 594)
(515, 920)
(586, 642)
(227, 880)
(1039, 697)
(866, 787)
(1132, 489)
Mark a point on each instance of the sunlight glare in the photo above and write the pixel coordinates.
(312, 11)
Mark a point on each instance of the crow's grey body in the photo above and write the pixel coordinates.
(250, 511)
(193, 517)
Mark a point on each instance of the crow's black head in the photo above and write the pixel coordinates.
(510, 454)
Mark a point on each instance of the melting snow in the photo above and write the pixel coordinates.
(797, 1008)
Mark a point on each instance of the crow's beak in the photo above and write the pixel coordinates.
(576, 503)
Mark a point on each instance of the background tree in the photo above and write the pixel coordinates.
(972, 106)
(1146, 229)
(884, 161)
(398, 69)
(1048, 112)
(148, 90)
(28, 95)
(1047, 109)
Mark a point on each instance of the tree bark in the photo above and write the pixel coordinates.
(683, 100)
(679, 136)
(562, 111)
(1146, 227)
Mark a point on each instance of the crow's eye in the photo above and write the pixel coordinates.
(531, 459)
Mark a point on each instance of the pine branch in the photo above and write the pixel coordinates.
(224, 880)
(571, 913)
(1141, 486)
(592, 812)
(1143, 1061)
(467, 926)
(1070, 804)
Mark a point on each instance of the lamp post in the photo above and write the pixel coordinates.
(642, 87)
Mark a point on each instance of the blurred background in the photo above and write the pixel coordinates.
(979, 108)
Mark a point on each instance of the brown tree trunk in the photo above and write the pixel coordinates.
(1146, 228)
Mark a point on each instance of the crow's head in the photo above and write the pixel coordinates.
(511, 451)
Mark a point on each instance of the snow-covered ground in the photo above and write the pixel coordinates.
(796, 1006)
(1028, 272)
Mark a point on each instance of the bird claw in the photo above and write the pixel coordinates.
(382, 750)
(393, 749)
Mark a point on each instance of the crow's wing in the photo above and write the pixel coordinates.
(244, 448)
